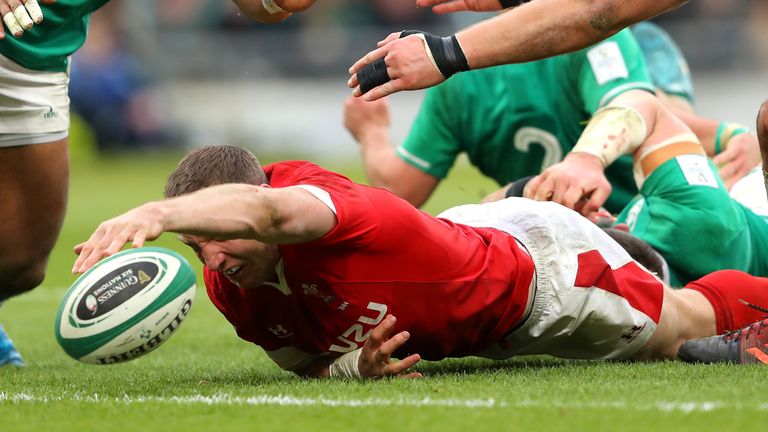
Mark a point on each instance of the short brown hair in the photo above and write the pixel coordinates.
(213, 165)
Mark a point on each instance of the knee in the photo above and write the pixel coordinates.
(20, 278)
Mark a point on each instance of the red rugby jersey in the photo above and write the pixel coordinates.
(456, 289)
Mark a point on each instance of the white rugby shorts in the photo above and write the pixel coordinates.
(34, 105)
(591, 300)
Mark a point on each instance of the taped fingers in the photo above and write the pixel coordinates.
(22, 17)
(12, 24)
(372, 75)
(34, 11)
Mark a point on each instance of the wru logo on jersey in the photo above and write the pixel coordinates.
(357, 329)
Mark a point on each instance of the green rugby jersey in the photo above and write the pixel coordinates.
(515, 120)
(685, 213)
(47, 46)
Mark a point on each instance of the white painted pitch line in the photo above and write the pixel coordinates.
(288, 400)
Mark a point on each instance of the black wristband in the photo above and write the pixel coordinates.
(446, 51)
(372, 75)
(517, 187)
(506, 4)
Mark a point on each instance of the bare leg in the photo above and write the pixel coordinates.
(685, 314)
(33, 200)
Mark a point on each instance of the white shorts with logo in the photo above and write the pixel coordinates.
(34, 105)
(591, 300)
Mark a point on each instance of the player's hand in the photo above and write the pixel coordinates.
(21, 15)
(448, 6)
(578, 182)
(135, 226)
(740, 156)
(376, 357)
(408, 66)
(602, 218)
(363, 118)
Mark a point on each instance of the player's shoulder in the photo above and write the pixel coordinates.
(294, 172)
(624, 40)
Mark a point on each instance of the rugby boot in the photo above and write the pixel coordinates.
(8, 353)
(746, 346)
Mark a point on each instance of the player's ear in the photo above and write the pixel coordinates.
(265, 185)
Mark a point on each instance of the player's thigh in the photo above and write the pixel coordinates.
(33, 199)
(34, 163)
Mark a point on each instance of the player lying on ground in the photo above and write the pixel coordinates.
(539, 29)
(313, 268)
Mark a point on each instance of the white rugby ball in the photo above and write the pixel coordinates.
(125, 306)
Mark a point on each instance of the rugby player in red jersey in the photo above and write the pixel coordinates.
(314, 268)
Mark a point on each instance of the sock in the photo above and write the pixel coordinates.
(726, 290)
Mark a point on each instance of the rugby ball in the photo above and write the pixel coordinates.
(125, 306)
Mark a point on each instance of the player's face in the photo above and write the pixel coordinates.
(247, 263)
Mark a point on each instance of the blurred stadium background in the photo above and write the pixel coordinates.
(183, 73)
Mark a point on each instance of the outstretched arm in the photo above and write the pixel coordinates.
(230, 211)
(535, 30)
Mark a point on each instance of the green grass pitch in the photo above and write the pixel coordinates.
(205, 378)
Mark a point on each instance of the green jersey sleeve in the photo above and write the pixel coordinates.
(432, 145)
(609, 69)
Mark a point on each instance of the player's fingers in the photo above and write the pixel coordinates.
(381, 332)
(450, 7)
(571, 196)
(393, 343)
(428, 3)
(532, 186)
(381, 91)
(22, 16)
(116, 244)
(373, 75)
(10, 21)
(367, 59)
(412, 375)
(139, 239)
(78, 248)
(724, 157)
(353, 81)
(545, 191)
(388, 39)
(728, 170)
(395, 368)
(34, 11)
(596, 200)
